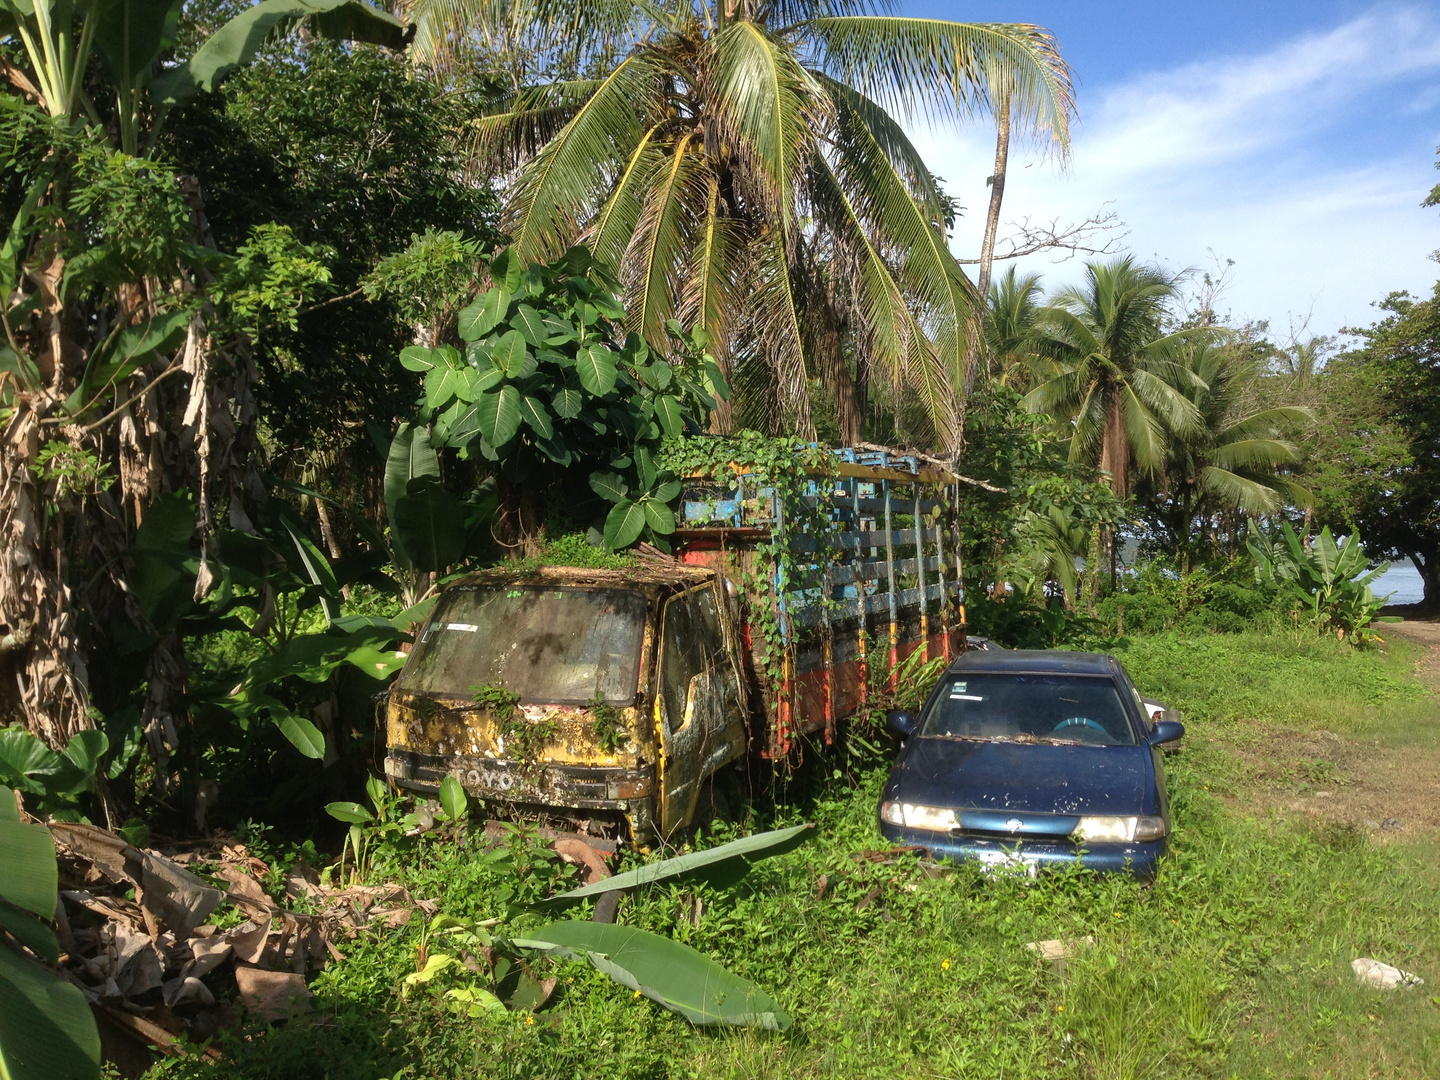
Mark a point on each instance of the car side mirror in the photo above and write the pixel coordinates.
(1167, 730)
(900, 722)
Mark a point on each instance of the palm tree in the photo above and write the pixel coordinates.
(1231, 462)
(1012, 313)
(1117, 379)
(728, 156)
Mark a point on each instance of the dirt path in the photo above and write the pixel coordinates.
(1387, 784)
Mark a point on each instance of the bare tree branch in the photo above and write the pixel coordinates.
(1099, 234)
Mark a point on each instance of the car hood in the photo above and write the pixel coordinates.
(1038, 778)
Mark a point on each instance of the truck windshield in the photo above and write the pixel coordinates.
(1029, 708)
(552, 646)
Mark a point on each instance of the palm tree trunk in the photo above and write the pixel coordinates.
(1114, 449)
(997, 194)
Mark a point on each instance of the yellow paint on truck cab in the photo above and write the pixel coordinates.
(657, 644)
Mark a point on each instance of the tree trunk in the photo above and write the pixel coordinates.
(992, 228)
(1114, 450)
(997, 194)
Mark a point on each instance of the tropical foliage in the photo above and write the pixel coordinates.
(1232, 464)
(1332, 579)
(571, 417)
(745, 169)
(1118, 381)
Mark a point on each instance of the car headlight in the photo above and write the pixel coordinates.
(913, 816)
(1119, 830)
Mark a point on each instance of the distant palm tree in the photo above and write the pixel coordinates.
(1012, 313)
(731, 158)
(1118, 380)
(1233, 460)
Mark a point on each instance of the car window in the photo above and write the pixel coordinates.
(1060, 708)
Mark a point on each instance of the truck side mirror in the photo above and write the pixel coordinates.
(900, 722)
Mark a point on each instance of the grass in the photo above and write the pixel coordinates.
(1234, 964)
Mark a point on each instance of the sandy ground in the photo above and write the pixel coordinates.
(1386, 785)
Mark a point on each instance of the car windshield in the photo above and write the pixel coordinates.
(1029, 708)
(553, 646)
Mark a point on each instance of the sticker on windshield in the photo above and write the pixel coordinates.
(957, 692)
(462, 626)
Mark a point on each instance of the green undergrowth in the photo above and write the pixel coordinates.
(1235, 963)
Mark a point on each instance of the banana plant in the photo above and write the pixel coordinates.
(47, 1031)
(130, 36)
(1332, 578)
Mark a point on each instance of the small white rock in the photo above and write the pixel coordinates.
(1382, 976)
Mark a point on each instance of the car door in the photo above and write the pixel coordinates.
(1147, 728)
(698, 702)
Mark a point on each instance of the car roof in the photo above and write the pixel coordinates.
(1033, 661)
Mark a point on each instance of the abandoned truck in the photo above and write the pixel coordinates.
(607, 699)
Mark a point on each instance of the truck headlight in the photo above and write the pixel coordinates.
(913, 816)
(1119, 830)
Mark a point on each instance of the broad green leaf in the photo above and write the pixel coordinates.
(165, 567)
(453, 799)
(484, 379)
(377, 663)
(658, 516)
(534, 413)
(715, 380)
(85, 749)
(624, 524)
(511, 355)
(567, 402)
(723, 865)
(609, 486)
(29, 877)
(430, 526)
(498, 415)
(410, 456)
(665, 971)
(304, 735)
(47, 1031)
(27, 763)
(506, 272)
(418, 358)
(667, 491)
(30, 932)
(530, 324)
(352, 813)
(482, 316)
(669, 415)
(444, 383)
(132, 347)
(8, 810)
(236, 43)
(595, 365)
(1326, 555)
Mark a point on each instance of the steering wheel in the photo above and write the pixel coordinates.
(1080, 722)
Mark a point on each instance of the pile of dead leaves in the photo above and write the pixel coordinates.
(137, 937)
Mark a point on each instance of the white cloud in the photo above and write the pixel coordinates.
(1252, 158)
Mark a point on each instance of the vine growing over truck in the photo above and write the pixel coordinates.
(787, 474)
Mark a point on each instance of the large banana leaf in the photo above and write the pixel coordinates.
(723, 865)
(665, 971)
(236, 43)
(46, 1029)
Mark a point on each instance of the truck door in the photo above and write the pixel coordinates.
(698, 702)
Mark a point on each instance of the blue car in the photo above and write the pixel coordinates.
(1033, 759)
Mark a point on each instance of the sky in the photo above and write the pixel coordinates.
(1296, 139)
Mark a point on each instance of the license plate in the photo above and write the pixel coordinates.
(1008, 861)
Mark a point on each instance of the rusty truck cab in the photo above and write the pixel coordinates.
(600, 698)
